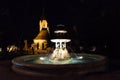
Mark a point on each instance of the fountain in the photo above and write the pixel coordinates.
(60, 53)
(59, 61)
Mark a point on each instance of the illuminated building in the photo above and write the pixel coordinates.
(41, 40)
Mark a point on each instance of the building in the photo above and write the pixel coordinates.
(41, 40)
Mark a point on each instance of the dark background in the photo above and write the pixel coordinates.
(89, 22)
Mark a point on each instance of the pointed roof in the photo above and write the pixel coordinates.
(44, 31)
(43, 34)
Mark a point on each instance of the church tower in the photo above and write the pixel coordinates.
(43, 24)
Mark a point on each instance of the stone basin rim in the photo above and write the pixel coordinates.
(17, 61)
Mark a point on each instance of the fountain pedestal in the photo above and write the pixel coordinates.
(60, 52)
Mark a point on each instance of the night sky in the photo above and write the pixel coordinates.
(93, 20)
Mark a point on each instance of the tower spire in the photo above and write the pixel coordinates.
(43, 22)
(43, 14)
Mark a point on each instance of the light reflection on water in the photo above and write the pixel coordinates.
(46, 60)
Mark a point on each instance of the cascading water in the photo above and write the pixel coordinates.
(60, 53)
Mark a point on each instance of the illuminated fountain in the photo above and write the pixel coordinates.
(59, 61)
(60, 53)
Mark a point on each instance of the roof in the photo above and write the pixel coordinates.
(43, 34)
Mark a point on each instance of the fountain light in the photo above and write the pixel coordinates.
(42, 58)
(80, 57)
(60, 31)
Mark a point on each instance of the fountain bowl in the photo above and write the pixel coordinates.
(39, 65)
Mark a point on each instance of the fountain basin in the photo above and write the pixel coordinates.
(40, 65)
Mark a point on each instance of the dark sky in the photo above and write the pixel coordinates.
(93, 19)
